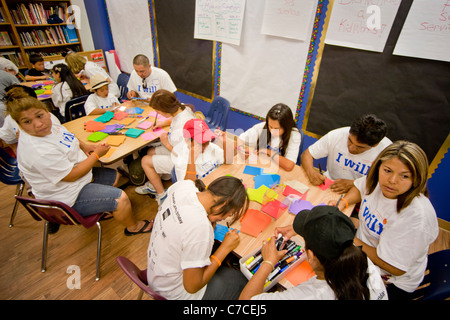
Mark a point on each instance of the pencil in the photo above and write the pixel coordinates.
(321, 172)
(337, 204)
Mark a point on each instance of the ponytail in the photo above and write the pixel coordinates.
(347, 275)
(232, 196)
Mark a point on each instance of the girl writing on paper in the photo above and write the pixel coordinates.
(181, 265)
(278, 137)
(397, 222)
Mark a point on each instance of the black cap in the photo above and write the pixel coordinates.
(326, 230)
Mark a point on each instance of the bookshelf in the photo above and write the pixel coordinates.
(24, 30)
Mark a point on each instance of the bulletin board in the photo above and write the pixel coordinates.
(411, 94)
(188, 61)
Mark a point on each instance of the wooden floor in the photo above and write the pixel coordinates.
(21, 247)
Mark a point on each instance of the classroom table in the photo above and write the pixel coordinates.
(45, 97)
(315, 195)
(130, 144)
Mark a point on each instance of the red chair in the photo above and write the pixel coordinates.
(139, 277)
(58, 212)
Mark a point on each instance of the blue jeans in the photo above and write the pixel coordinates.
(99, 195)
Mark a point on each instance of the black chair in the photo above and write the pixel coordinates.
(436, 284)
(122, 82)
(9, 174)
(218, 114)
(75, 108)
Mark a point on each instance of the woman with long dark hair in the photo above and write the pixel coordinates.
(342, 270)
(278, 137)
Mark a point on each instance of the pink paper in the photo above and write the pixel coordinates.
(144, 125)
(149, 136)
(120, 115)
(327, 184)
(158, 131)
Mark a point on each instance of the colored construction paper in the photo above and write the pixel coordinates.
(97, 136)
(254, 171)
(300, 274)
(135, 110)
(134, 133)
(149, 136)
(297, 185)
(110, 152)
(127, 121)
(115, 140)
(328, 183)
(220, 231)
(107, 116)
(92, 126)
(158, 131)
(254, 221)
(273, 208)
(268, 180)
(299, 205)
(112, 128)
(119, 115)
(44, 96)
(144, 125)
(289, 190)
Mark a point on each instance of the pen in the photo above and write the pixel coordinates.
(337, 204)
(321, 172)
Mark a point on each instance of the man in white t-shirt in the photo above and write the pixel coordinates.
(146, 80)
(350, 152)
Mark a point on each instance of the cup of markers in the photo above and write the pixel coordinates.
(293, 257)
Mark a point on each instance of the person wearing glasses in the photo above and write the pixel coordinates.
(146, 79)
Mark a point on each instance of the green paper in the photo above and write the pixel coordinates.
(134, 133)
(97, 136)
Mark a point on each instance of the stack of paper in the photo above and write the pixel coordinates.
(134, 133)
(254, 221)
(97, 136)
(107, 116)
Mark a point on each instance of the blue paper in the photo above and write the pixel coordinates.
(220, 231)
(254, 171)
(269, 180)
(136, 110)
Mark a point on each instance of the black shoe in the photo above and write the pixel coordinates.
(53, 227)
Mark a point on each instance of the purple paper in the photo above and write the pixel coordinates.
(112, 128)
(299, 205)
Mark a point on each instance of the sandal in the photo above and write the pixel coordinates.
(129, 233)
(106, 216)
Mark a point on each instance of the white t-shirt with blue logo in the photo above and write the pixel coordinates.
(341, 164)
(401, 239)
(94, 101)
(158, 79)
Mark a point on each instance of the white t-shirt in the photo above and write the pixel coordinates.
(8, 132)
(341, 164)
(206, 162)
(315, 289)
(250, 137)
(61, 93)
(91, 69)
(401, 239)
(45, 161)
(177, 125)
(182, 238)
(94, 101)
(158, 79)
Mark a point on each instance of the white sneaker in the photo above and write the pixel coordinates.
(147, 188)
(161, 197)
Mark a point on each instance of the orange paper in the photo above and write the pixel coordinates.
(110, 152)
(300, 274)
(127, 121)
(92, 126)
(115, 140)
(254, 221)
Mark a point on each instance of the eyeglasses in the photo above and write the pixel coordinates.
(144, 84)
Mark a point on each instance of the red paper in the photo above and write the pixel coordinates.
(120, 115)
(300, 274)
(93, 126)
(288, 190)
(273, 208)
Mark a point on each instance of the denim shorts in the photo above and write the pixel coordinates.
(99, 195)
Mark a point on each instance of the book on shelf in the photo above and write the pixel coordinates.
(2, 16)
(35, 13)
(5, 39)
(15, 57)
(49, 36)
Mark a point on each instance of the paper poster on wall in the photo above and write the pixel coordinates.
(219, 20)
(361, 24)
(426, 32)
(288, 18)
